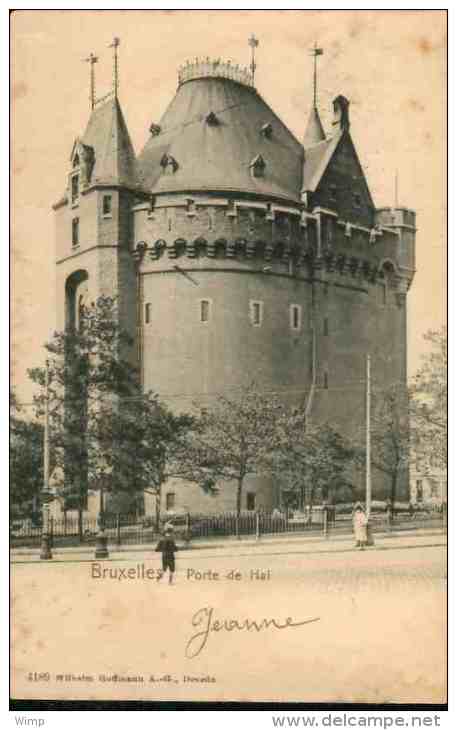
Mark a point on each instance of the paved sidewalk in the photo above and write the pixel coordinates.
(272, 545)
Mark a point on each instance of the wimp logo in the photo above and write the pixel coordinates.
(30, 721)
(295, 721)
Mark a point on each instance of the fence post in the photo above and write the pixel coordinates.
(65, 523)
(257, 526)
(80, 527)
(237, 526)
(51, 530)
(118, 529)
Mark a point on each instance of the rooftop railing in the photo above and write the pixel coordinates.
(204, 68)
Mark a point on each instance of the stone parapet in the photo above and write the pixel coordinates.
(254, 233)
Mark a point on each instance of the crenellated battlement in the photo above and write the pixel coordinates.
(201, 68)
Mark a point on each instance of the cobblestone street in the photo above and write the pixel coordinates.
(375, 609)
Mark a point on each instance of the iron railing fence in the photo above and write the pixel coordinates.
(132, 530)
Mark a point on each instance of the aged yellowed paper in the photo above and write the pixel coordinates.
(262, 194)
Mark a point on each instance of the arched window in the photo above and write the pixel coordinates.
(75, 296)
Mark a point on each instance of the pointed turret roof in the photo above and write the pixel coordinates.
(107, 134)
(314, 130)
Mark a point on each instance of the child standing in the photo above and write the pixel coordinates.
(167, 547)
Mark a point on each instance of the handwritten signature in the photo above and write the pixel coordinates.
(204, 620)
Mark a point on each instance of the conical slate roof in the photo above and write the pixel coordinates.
(314, 132)
(107, 134)
(210, 137)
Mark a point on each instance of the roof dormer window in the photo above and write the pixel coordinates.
(169, 164)
(212, 120)
(257, 166)
(266, 130)
(155, 129)
(76, 160)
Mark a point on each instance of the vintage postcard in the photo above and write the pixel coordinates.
(228, 406)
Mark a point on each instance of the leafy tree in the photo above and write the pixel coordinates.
(428, 404)
(101, 424)
(311, 459)
(26, 460)
(147, 441)
(229, 440)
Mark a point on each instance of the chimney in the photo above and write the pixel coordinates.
(340, 113)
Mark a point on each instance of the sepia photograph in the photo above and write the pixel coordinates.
(228, 394)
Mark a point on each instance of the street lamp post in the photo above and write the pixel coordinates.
(101, 543)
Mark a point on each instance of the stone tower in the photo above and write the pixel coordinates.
(239, 254)
(93, 219)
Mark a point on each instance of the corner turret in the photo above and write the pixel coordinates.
(403, 222)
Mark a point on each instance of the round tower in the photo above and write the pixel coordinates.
(225, 298)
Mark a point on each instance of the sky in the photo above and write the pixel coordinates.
(391, 65)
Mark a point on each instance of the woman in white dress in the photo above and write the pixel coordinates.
(360, 522)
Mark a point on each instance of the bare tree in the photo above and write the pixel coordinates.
(310, 458)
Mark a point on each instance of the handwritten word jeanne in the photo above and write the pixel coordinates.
(203, 620)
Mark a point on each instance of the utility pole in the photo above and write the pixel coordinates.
(46, 553)
(368, 439)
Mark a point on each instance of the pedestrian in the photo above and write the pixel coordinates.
(360, 524)
(390, 512)
(167, 547)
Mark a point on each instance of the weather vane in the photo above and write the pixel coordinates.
(92, 59)
(315, 52)
(115, 45)
(253, 42)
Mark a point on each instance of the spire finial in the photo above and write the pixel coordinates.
(115, 45)
(315, 52)
(253, 42)
(92, 59)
